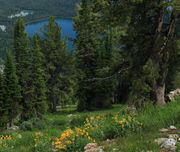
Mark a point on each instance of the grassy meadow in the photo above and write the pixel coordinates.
(69, 131)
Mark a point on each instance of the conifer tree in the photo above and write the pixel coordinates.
(23, 64)
(85, 46)
(3, 109)
(12, 90)
(38, 79)
(94, 57)
(58, 65)
(148, 45)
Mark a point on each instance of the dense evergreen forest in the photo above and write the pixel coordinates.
(38, 10)
(41, 8)
(126, 52)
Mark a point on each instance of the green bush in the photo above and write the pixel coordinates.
(59, 122)
(76, 120)
(109, 127)
(26, 125)
(42, 143)
(33, 124)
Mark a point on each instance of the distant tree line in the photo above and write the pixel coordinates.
(41, 10)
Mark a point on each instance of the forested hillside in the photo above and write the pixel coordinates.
(39, 10)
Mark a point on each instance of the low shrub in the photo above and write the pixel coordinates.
(42, 143)
(33, 124)
(109, 127)
(76, 120)
(59, 122)
(26, 125)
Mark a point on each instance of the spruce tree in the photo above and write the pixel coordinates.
(12, 90)
(58, 65)
(94, 57)
(38, 79)
(85, 45)
(3, 108)
(23, 64)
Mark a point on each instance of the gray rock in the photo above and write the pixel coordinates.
(93, 147)
(13, 128)
(173, 94)
(101, 150)
(90, 146)
(69, 116)
(169, 144)
(173, 136)
(172, 128)
(163, 130)
(160, 141)
(98, 149)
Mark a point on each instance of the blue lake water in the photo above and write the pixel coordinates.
(65, 24)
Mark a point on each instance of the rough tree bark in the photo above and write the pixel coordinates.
(161, 55)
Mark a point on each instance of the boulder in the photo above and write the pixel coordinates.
(173, 136)
(93, 147)
(172, 128)
(160, 141)
(173, 94)
(163, 130)
(169, 144)
(99, 149)
(90, 146)
(13, 128)
(69, 116)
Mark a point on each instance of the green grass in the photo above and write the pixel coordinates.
(152, 117)
(155, 117)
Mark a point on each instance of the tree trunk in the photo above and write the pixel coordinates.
(159, 86)
(54, 103)
(160, 94)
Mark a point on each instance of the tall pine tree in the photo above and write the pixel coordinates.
(38, 79)
(58, 65)
(94, 57)
(3, 105)
(12, 90)
(23, 64)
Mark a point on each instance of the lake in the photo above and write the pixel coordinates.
(65, 24)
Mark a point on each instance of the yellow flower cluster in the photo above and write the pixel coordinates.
(5, 137)
(115, 118)
(88, 122)
(125, 119)
(69, 136)
(38, 134)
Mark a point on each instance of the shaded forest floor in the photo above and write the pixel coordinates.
(37, 135)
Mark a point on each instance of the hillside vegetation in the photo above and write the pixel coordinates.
(135, 134)
(121, 80)
(40, 8)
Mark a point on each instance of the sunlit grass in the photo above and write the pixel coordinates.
(152, 117)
